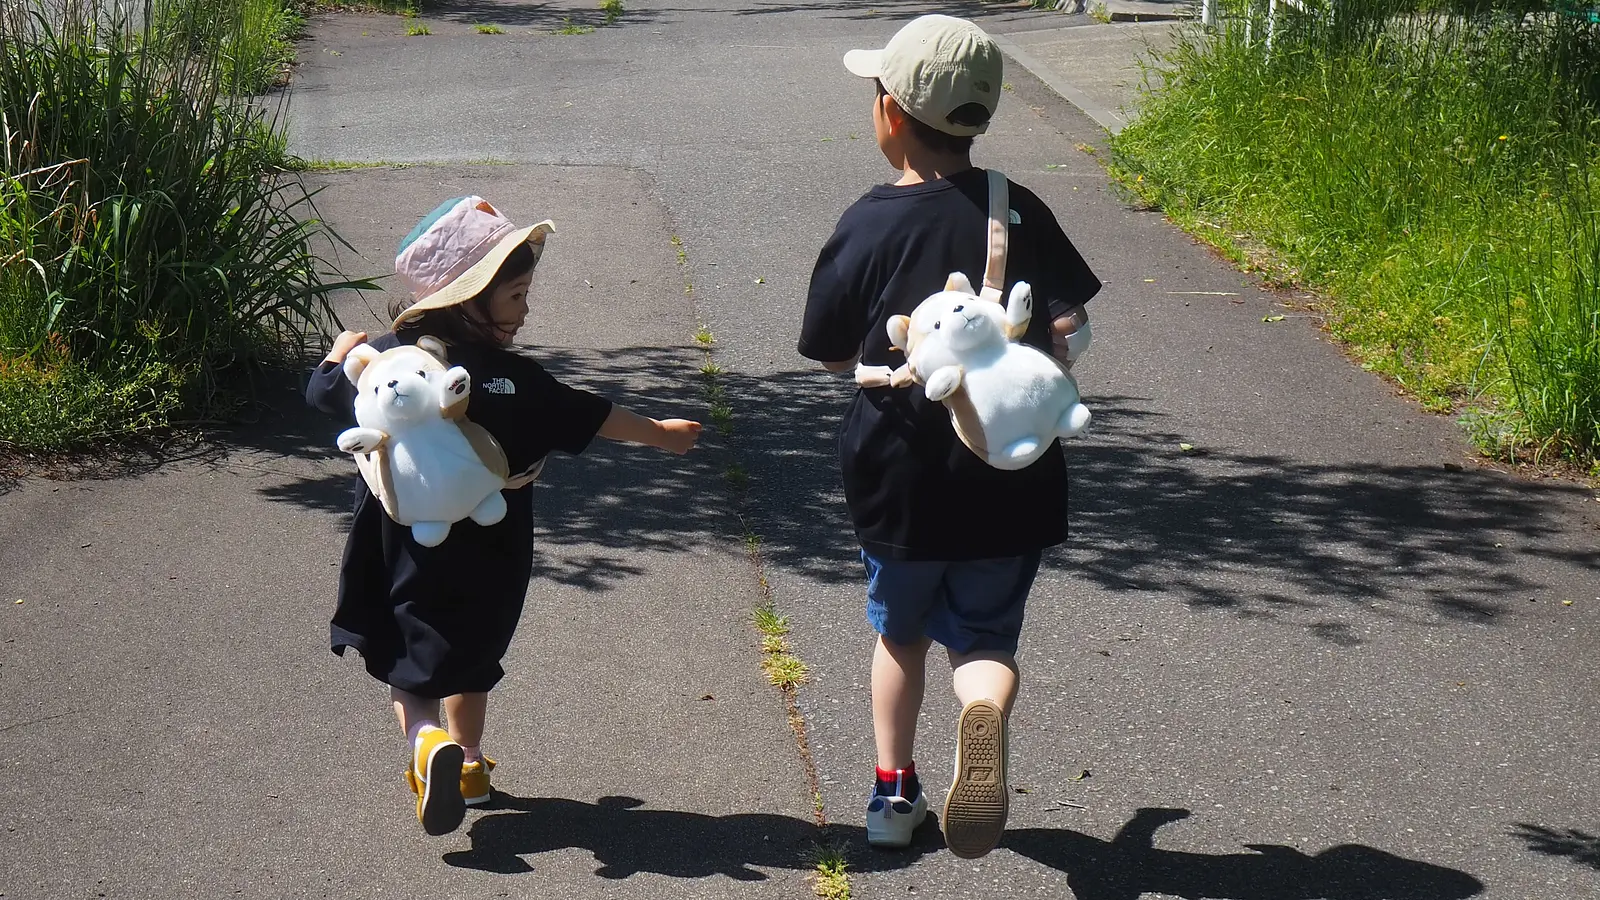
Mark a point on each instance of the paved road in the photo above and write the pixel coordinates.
(1323, 655)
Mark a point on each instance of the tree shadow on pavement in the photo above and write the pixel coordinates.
(627, 839)
(1257, 534)
(1579, 846)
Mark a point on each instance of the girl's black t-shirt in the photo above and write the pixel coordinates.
(916, 492)
(436, 620)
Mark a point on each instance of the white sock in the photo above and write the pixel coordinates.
(415, 734)
(473, 754)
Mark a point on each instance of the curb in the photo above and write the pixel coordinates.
(1109, 119)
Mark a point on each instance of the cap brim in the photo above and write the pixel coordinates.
(471, 282)
(865, 63)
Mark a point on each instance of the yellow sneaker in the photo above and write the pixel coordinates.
(435, 777)
(475, 789)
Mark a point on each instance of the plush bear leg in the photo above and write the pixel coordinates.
(430, 534)
(491, 510)
(1074, 420)
(1020, 451)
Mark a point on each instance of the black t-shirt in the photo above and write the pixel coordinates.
(916, 492)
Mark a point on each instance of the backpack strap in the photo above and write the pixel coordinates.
(994, 271)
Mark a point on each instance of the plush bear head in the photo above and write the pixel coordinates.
(950, 328)
(401, 386)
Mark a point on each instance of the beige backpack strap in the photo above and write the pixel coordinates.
(994, 271)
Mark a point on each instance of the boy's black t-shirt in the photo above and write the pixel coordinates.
(916, 492)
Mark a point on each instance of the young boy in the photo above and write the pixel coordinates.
(951, 545)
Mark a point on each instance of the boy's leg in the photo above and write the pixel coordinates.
(986, 675)
(899, 597)
(980, 624)
(899, 679)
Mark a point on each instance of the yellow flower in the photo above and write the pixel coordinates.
(1503, 137)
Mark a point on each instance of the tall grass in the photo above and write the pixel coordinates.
(1430, 168)
(153, 252)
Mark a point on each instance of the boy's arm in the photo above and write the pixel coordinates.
(835, 320)
(676, 435)
(1070, 334)
(843, 365)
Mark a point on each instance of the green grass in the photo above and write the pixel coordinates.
(569, 27)
(769, 622)
(831, 880)
(784, 670)
(1430, 177)
(612, 9)
(489, 29)
(151, 259)
(418, 30)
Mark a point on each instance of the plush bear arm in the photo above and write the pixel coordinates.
(943, 382)
(455, 389)
(1019, 310)
(361, 440)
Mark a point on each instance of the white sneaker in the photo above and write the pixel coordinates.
(975, 809)
(891, 820)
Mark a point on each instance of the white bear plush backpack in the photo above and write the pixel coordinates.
(428, 465)
(1007, 400)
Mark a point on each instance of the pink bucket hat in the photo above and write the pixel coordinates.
(455, 251)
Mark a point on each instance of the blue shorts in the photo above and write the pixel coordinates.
(966, 606)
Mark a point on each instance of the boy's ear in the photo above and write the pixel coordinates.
(893, 113)
(899, 329)
(357, 361)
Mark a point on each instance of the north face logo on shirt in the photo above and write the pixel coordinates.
(500, 386)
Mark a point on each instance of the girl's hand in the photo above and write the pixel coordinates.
(343, 344)
(678, 435)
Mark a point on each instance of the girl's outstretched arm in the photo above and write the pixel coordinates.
(676, 435)
(328, 390)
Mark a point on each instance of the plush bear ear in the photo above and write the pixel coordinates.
(899, 329)
(433, 347)
(959, 282)
(357, 361)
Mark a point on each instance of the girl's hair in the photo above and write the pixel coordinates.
(456, 324)
(971, 115)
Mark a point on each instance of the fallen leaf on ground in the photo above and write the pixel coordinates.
(1272, 318)
(1186, 447)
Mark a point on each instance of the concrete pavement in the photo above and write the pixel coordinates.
(1324, 654)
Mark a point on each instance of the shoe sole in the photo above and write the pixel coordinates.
(479, 801)
(975, 809)
(442, 807)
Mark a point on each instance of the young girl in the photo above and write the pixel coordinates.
(434, 623)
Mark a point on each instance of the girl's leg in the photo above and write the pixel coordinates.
(986, 675)
(898, 681)
(414, 712)
(464, 715)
